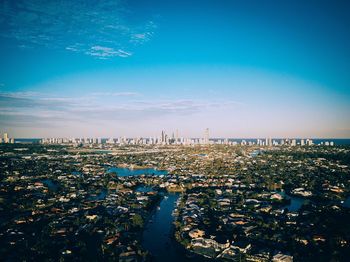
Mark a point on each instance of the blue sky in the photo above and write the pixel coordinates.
(112, 68)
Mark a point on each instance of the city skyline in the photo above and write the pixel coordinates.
(242, 69)
(175, 139)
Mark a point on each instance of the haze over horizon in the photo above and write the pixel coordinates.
(243, 69)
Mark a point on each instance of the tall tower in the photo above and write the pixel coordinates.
(163, 136)
(206, 136)
(6, 138)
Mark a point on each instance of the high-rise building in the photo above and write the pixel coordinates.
(6, 138)
(163, 136)
(110, 141)
(309, 142)
(206, 136)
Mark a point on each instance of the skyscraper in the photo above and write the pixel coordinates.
(6, 138)
(163, 136)
(206, 136)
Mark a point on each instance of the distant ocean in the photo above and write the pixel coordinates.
(337, 141)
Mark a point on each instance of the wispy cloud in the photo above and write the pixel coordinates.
(102, 29)
(123, 94)
(103, 52)
(16, 108)
(19, 94)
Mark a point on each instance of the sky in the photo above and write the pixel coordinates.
(113, 68)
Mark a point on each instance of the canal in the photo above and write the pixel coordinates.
(120, 171)
(158, 234)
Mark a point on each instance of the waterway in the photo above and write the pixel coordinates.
(144, 189)
(158, 234)
(295, 202)
(136, 172)
(347, 202)
(50, 184)
(100, 196)
(256, 153)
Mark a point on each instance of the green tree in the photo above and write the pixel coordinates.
(137, 221)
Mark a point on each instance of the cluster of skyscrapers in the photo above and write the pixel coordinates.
(283, 142)
(163, 139)
(6, 139)
(290, 142)
(175, 139)
(71, 141)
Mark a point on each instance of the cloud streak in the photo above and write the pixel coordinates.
(101, 29)
(123, 94)
(103, 52)
(40, 110)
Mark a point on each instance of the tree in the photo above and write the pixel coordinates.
(137, 221)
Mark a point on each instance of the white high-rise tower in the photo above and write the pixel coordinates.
(206, 136)
(6, 138)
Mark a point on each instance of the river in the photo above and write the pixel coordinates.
(136, 172)
(158, 234)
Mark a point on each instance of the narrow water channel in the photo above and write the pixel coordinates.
(157, 236)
